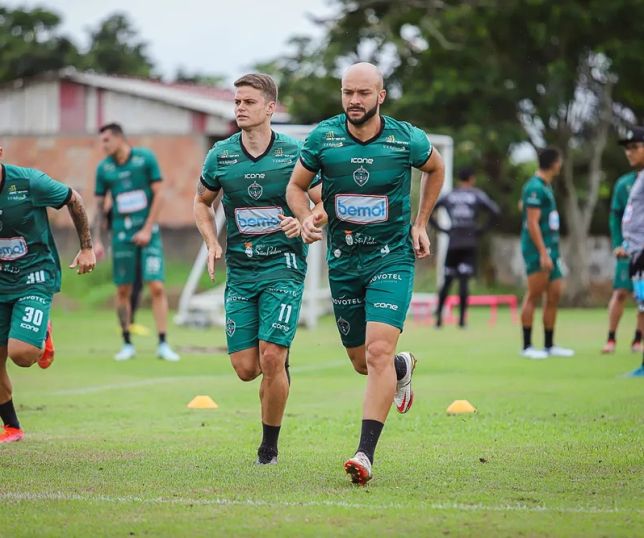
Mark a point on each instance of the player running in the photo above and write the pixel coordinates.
(365, 160)
(463, 205)
(30, 273)
(265, 257)
(540, 249)
(133, 179)
(622, 284)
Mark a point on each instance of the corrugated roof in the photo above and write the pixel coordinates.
(206, 99)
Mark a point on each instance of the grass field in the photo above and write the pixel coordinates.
(111, 449)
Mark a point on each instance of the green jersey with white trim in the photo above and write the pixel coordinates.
(130, 187)
(366, 185)
(28, 256)
(618, 203)
(538, 194)
(254, 196)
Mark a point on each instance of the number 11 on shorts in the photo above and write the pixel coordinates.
(291, 262)
(285, 313)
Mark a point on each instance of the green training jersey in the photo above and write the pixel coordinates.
(538, 194)
(618, 204)
(254, 195)
(129, 184)
(28, 256)
(366, 185)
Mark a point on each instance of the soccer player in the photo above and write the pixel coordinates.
(463, 205)
(266, 259)
(133, 179)
(540, 249)
(30, 273)
(633, 232)
(365, 161)
(622, 284)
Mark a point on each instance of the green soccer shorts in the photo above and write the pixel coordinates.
(128, 258)
(25, 319)
(533, 264)
(258, 309)
(622, 279)
(378, 290)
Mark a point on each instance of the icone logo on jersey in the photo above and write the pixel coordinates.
(258, 220)
(361, 160)
(254, 176)
(362, 209)
(13, 248)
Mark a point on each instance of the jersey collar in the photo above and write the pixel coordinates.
(365, 142)
(268, 148)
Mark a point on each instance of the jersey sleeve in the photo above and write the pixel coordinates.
(100, 188)
(310, 152)
(209, 172)
(47, 192)
(489, 204)
(420, 148)
(317, 180)
(154, 172)
(533, 197)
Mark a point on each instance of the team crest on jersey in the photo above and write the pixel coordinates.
(230, 327)
(361, 176)
(348, 237)
(248, 249)
(279, 152)
(12, 189)
(255, 190)
(344, 326)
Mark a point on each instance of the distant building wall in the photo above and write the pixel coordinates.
(73, 160)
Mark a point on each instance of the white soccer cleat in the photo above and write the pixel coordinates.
(359, 468)
(164, 351)
(556, 351)
(534, 354)
(127, 352)
(404, 396)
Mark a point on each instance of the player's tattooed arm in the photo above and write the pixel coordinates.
(85, 260)
(81, 222)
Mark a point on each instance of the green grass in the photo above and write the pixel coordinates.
(111, 449)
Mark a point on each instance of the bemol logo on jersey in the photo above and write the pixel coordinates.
(12, 248)
(361, 209)
(258, 220)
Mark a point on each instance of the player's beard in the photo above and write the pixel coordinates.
(364, 118)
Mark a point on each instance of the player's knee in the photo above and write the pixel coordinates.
(272, 361)
(621, 295)
(25, 357)
(124, 292)
(379, 354)
(156, 289)
(246, 372)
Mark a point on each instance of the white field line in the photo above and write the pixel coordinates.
(162, 380)
(132, 499)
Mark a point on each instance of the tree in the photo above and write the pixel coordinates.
(30, 43)
(116, 49)
(494, 74)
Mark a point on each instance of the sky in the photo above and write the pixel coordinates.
(207, 36)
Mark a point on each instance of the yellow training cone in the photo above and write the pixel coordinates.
(459, 407)
(202, 402)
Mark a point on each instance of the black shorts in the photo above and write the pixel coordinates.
(636, 265)
(460, 262)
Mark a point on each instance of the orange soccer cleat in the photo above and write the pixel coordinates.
(48, 354)
(10, 434)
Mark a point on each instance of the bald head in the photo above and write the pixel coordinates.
(362, 93)
(364, 73)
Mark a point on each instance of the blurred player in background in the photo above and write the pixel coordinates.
(622, 283)
(540, 249)
(133, 179)
(633, 233)
(463, 205)
(30, 273)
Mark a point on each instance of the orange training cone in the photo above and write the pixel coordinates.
(459, 407)
(202, 402)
